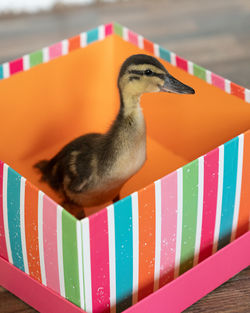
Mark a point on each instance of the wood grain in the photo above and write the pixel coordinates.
(214, 34)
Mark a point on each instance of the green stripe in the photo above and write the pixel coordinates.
(36, 58)
(70, 258)
(118, 29)
(199, 72)
(189, 217)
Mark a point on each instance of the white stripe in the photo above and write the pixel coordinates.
(60, 250)
(101, 32)
(80, 262)
(26, 62)
(219, 199)
(125, 34)
(157, 234)
(45, 54)
(227, 86)
(156, 50)
(179, 221)
(173, 58)
(140, 42)
(247, 95)
(199, 210)
(208, 77)
(6, 70)
(65, 47)
(40, 236)
(86, 264)
(22, 224)
(112, 269)
(5, 212)
(190, 68)
(238, 186)
(135, 218)
(83, 39)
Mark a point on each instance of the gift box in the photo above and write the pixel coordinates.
(184, 215)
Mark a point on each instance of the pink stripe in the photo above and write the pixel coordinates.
(16, 66)
(55, 50)
(50, 243)
(3, 248)
(218, 81)
(168, 228)
(108, 29)
(181, 63)
(133, 38)
(211, 167)
(99, 252)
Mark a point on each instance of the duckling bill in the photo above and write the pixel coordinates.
(92, 169)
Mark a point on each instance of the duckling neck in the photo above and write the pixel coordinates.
(129, 123)
(130, 105)
(125, 150)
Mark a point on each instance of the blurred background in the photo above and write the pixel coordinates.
(214, 34)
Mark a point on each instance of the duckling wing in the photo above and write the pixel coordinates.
(72, 167)
(78, 160)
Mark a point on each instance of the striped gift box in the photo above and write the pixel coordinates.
(112, 259)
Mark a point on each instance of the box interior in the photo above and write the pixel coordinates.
(45, 107)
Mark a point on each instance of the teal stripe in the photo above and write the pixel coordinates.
(1, 72)
(229, 189)
(124, 253)
(189, 217)
(165, 54)
(92, 35)
(70, 258)
(13, 204)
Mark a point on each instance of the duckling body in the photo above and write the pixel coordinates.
(92, 169)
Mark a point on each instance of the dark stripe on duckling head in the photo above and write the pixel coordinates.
(138, 59)
(151, 73)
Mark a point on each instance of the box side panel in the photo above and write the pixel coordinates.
(176, 223)
(38, 236)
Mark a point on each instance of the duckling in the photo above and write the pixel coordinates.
(91, 170)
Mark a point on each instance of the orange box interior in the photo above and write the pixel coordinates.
(46, 107)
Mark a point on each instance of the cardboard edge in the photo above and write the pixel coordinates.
(192, 285)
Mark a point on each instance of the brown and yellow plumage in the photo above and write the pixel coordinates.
(91, 169)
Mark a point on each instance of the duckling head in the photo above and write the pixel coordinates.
(142, 73)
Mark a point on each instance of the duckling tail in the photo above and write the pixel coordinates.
(51, 173)
(42, 166)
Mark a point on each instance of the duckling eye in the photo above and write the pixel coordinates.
(148, 72)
